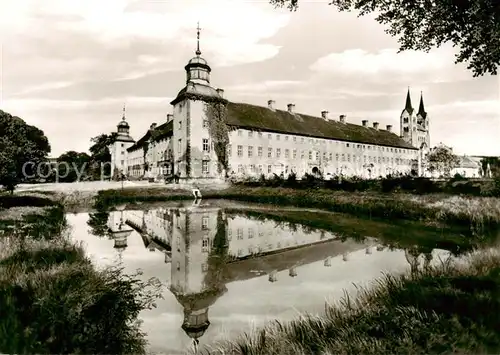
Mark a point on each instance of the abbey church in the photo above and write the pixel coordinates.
(265, 139)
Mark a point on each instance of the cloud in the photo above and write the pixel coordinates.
(435, 66)
(385, 60)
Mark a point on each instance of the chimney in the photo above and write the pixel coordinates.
(342, 118)
(324, 114)
(270, 104)
(365, 123)
(220, 92)
(291, 108)
(170, 117)
(153, 126)
(375, 125)
(389, 128)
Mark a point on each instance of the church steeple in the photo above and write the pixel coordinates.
(408, 106)
(421, 109)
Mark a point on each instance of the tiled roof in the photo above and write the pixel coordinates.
(467, 162)
(162, 131)
(262, 118)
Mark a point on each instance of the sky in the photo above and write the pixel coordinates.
(69, 66)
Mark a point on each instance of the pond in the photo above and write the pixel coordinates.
(229, 267)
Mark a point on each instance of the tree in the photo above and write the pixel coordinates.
(76, 163)
(22, 149)
(494, 166)
(471, 25)
(441, 159)
(100, 154)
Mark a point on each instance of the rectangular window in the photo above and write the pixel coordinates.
(240, 151)
(205, 123)
(302, 154)
(348, 157)
(278, 152)
(206, 145)
(250, 151)
(310, 155)
(269, 152)
(259, 152)
(123, 162)
(294, 139)
(343, 157)
(331, 156)
(240, 169)
(179, 146)
(240, 132)
(204, 167)
(286, 138)
(260, 134)
(122, 145)
(317, 156)
(204, 222)
(294, 153)
(252, 168)
(277, 137)
(229, 150)
(204, 245)
(250, 134)
(287, 153)
(269, 136)
(302, 140)
(269, 169)
(180, 124)
(239, 233)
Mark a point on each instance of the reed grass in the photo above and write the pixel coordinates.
(450, 308)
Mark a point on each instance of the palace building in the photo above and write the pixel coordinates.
(266, 140)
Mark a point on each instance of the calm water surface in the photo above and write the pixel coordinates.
(227, 270)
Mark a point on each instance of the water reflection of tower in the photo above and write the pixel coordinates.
(119, 232)
(198, 259)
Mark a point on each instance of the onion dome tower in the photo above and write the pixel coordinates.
(197, 69)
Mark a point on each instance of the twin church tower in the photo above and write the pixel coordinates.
(414, 127)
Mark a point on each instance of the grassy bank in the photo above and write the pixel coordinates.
(53, 300)
(478, 213)
(452, 308)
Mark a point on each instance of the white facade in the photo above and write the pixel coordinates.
(118, 150)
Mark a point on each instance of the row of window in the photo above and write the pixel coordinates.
(315, 155)
(323, 142)
(285, 169)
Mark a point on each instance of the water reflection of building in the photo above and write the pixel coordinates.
(119, 231)
(209, 247)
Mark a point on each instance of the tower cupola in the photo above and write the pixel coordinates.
(197, 69)
(123, 127)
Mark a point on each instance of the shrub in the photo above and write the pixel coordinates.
(52, 300)
(291, 180)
